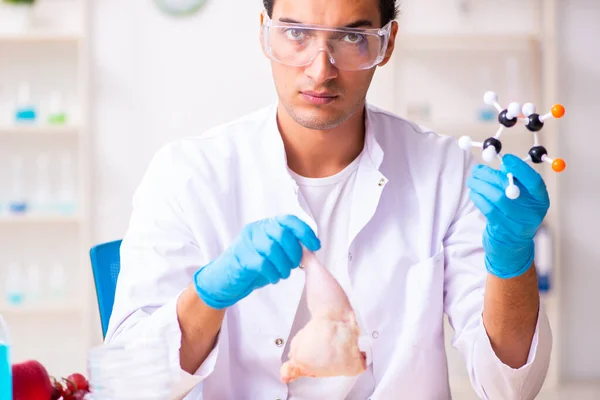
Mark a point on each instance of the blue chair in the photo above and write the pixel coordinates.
(106, 264)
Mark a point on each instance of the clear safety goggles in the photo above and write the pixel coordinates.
(350, 49)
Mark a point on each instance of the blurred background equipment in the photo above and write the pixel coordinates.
(44, 179)
(180, 7)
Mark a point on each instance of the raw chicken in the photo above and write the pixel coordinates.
(328, 344)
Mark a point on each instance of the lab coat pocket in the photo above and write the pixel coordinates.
(424, 299)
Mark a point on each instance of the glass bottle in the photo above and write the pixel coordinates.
(25, 110)
(66, 195)
(5, 363)
(132, 371)
(17, 200)
(13, 285)
(41, 199)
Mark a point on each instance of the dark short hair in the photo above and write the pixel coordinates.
(388, 8)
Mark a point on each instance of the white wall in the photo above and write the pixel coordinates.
(580, 194)
(157, 79)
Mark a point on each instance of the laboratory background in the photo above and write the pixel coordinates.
(91, 89)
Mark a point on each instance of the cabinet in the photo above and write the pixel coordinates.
(444, 62)
(44, 264)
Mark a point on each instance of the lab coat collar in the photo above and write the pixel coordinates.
(276, 148)
(372, 147)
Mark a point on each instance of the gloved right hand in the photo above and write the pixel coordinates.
(264, 252)
(508, 239)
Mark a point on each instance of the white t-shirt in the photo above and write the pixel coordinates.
(328, 200)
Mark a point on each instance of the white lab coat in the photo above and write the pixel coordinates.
(414, 253)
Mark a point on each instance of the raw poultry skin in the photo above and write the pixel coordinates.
(328, 344)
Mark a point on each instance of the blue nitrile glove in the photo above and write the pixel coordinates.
(511, 224)
(263, 253)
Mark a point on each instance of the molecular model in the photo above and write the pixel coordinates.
(508, 118)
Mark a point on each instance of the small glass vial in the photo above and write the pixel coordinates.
(13, 286)
(25, 110)
(34, 284)
(41, 201)
(543, 258)
(66, 195)
(17, 201)
(57, 282)
(56, 114)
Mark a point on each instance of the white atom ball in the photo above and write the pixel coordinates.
(528, 109)
(490, 98)
(489, 154)
(514, 109)
(512, 192)
(465, 142)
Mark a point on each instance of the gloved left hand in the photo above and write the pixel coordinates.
(512, 224)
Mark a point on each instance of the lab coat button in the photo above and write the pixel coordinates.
(381, 182)
(375, 334)
(349, 256)
(279, 342)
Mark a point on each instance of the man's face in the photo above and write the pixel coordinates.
(321, 96)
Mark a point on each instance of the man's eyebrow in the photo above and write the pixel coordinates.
(360, 23)
(356, 24)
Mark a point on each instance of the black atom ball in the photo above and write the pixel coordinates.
(509, 123)
(535, 124)
(536, 153)
(493, 142)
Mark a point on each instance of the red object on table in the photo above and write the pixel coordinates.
(31, 381)
(81, 383)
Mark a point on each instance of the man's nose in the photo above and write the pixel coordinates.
(321, 69)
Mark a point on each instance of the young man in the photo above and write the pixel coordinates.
(397, 214)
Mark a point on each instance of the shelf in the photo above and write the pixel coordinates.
(40, 37)
(44, 308)
(38, 219)
(39, 130)
(455, 42)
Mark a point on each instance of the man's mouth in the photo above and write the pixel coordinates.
(319, 98)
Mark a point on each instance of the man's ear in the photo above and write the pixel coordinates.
(262, 20)
(391, 44)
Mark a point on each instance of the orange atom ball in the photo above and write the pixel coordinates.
(558, 111)
(558, 165)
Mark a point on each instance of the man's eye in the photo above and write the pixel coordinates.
(294, 34)
(354, 38)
